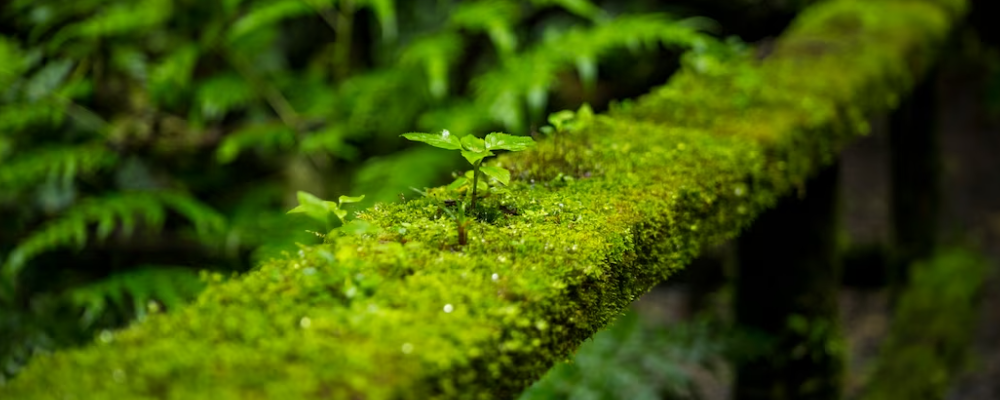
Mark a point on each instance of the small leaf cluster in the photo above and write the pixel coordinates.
(475, 150)
(321, 210)
(568, 121)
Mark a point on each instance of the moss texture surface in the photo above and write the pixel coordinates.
(592, 221)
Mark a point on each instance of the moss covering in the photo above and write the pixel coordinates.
(591, 222)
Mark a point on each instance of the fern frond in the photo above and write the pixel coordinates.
(385, 12)
(120, 18)
(494, 17)
(435, 54)
(15, 62)
(108, 213)
(49, 78)
(581, 8)
(329, 140)
(20, 116)
(133, 291)
(173, 73)
(526, 78)
(265, 138)
(30, 169)
(265, 13)
(223, 93)
(366, 99)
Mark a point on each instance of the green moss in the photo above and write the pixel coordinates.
(591, 223)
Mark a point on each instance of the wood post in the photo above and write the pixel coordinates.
(915, 172)
(786, 293)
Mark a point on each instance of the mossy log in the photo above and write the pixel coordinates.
(590, 222)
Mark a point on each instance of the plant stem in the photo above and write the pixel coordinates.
(475, 182)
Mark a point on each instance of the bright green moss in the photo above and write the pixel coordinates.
(591, 223)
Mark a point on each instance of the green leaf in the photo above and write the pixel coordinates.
(222, 93)
(351, 199)
(48, 79)
(586, 66)
(503, 141)
(499, 173)
(473, 144)
(313, 207)
(476, 156)
(445, 140)
(267, 13)
(266, 138)
(341, 214)
(385, 12)
(582, 8)
(458, 183)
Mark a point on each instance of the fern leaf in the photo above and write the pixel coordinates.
(174, 72)
(263, 137)
(206, 220)
(72, 227)
(385, 12)
(117, 19)
(367, 98)
(330, 140)
(525, 79)
(582, 8)
(223, 93)
(14, 64)
(48, 79)
(495, 17)
(20, 116)
(267, 13)
(30, 169)
(132, 291)
(435, 54)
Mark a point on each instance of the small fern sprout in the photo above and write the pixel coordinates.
(320, 210)
(475, 150)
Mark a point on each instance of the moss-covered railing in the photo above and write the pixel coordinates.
(592, 221)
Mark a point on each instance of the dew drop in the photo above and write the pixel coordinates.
(448, 308)
(305, 322)
(495, 277)
(106, 336)
(407, 348)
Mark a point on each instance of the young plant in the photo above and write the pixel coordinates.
(568, 121)
(320, 210)
(475, 150)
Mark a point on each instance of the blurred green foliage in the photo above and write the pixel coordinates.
(933, 328)
(143, 140)
(637, 359)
